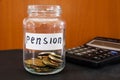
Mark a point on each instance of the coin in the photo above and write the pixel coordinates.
(46, 53)
(56, 55)
(44, 62)
(37, 69)
(28, 66)
(47, 62)
(40, 57)
(35, 62)
(54, 58)
(54, 62)
(46, 69)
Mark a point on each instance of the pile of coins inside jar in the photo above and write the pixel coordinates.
(44, 62)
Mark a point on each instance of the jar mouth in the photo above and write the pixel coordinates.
(44, 8)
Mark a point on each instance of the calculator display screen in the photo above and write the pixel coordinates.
(105, 44)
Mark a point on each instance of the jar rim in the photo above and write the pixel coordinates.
(44, 8)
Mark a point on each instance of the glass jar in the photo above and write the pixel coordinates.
(44, 40)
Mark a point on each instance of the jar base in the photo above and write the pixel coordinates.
(44, 73)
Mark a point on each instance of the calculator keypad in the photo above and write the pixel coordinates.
(104, 52)
(92, 53)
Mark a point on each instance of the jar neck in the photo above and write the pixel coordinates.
(44, 15)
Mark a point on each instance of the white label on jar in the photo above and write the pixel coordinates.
(37, 41)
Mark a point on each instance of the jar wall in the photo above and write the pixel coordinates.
(44, 43)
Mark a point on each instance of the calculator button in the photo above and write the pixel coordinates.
(78, 54)
(86, 56)
(89, 47)
(88, 51)
(114, 52)
(97, 48)
(85, 48)
(69, 49)
(93, 49)
(82, 46)
(96, 58)
(105, 54)
(100, 51)
(97, 53)
(89, 55)
(111, 54)
(102, 56)
(70, 52)
(75, 51)
(83, 52)
(73, 48)
(108, 55)
(80, 49)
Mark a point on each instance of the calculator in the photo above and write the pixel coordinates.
(98, 52)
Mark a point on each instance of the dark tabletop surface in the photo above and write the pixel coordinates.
(11, 68)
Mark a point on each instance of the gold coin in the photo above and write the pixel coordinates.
(54, 58)
(56, 55)
(40, 57)
(28, 66)
(46, 69)
(58, 64)
(37, 69)
(46, 53)
(35, 62)
(47, 62)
